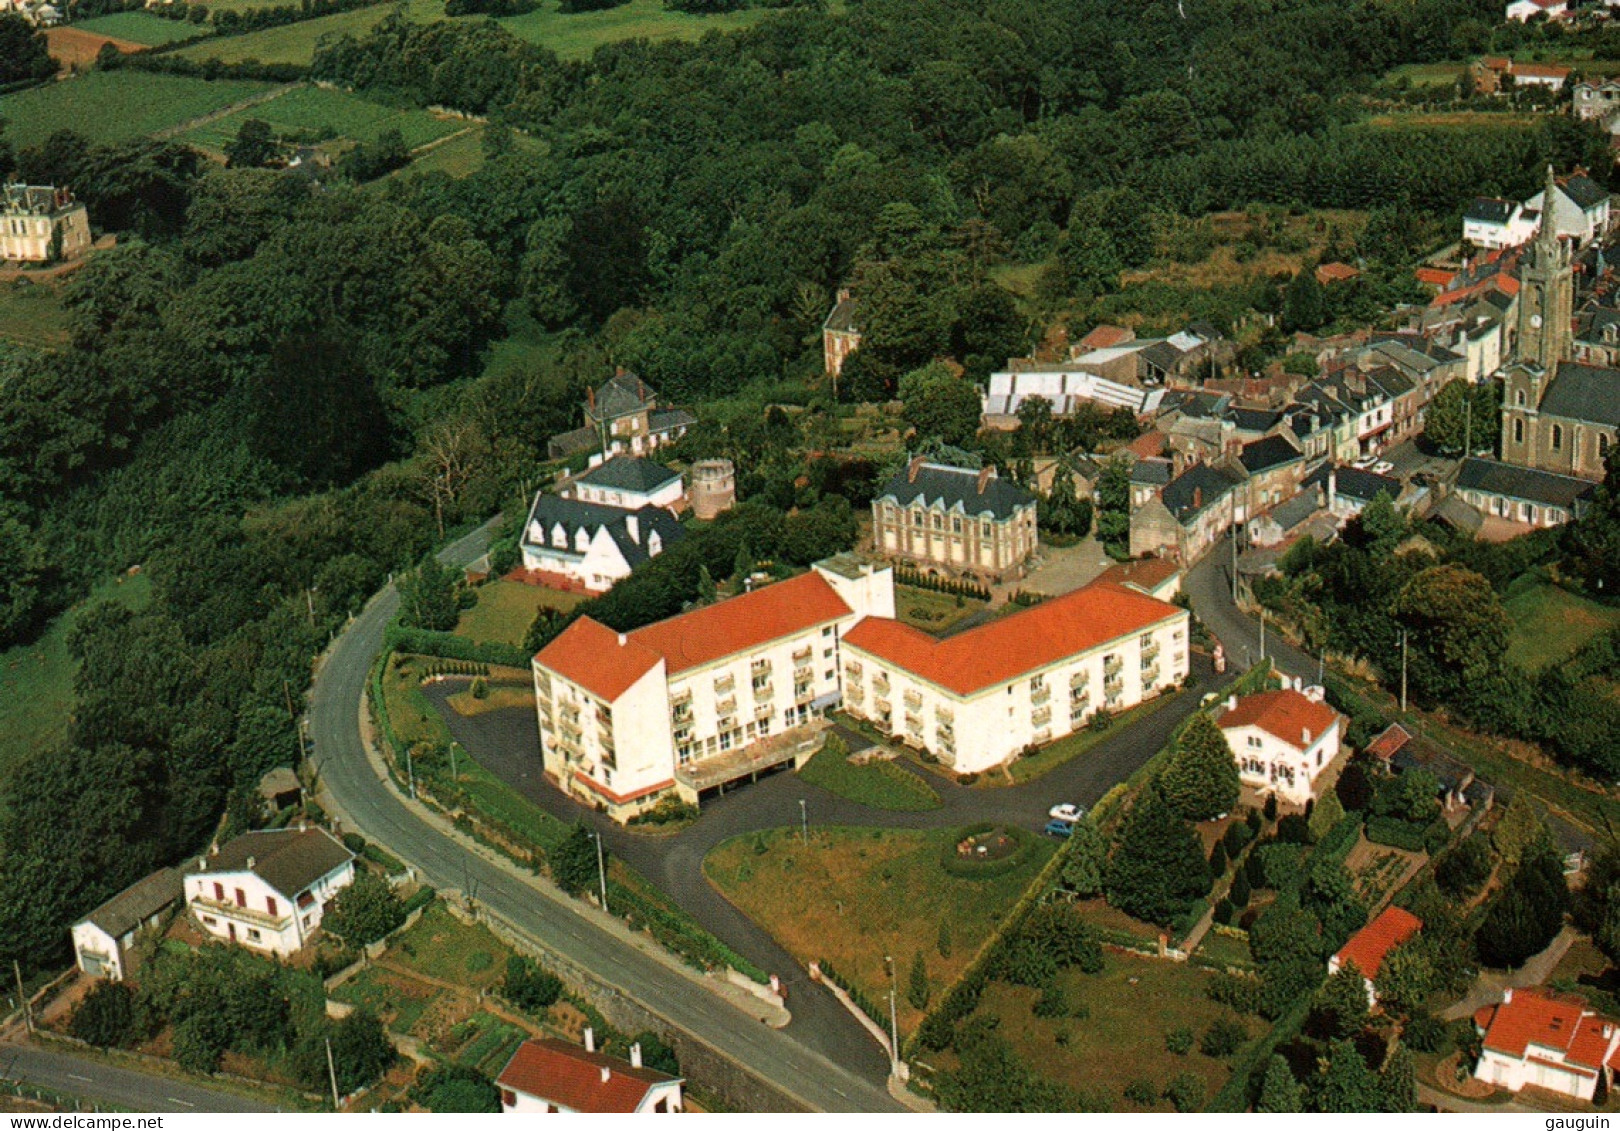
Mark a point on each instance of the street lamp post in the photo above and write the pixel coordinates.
(804, 822)
(601, 871)
(894, 1022)
(410, 771)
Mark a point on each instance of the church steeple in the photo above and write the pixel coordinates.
(1546, 332)
(1547, 237)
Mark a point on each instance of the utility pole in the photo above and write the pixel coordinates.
(1468, 425)
(601, 871)
(1234, 564)
(331, 1072)
(309, 599)
(453, 775)
(1403, 671)
(410, 771)
(22, 996)
(894, 1022)
(804, 822)
(1262, 634)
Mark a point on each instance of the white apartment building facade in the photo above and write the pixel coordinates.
(979, 698)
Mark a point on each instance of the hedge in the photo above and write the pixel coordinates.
(955, 865)
(1395, 833)
(449, 646)
(856, 994)
(680, 933)
(1338, 842)
(1241, 1087)
(420, 898)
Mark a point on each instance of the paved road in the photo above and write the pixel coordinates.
(1209, 586)
(127, 1088)
(823, 1057)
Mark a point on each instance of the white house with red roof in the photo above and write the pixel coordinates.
(690, 704)
(978, 698)
(1368, 947)
(1553, 1042)
(547, 1076)
(1282, 740)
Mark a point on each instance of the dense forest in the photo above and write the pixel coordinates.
(275, 395)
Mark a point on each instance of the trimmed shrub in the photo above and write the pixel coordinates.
(1179, 1041)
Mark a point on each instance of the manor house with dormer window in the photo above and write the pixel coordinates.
(956, 520)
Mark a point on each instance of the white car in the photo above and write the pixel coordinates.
(1066, 812)
(1383, 467)
(1364, 462)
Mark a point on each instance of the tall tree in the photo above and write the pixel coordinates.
(940, 405)
(253, 146)
(1201, 780)
(1280, 1093)
(24, 54)
(1087, 857)
(1157, 868)
(427, 596)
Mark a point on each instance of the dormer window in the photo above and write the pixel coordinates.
(559, 537)
(582, 540)
(655, 544)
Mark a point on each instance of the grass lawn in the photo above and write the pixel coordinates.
(1072, 745)
(1550, 624)
(930, 611)
(295, 43)
(459, 157)
(399, 1003)
(1129, 1008)
(1225, 950)
(441, 946)
(33, 315)
(142, 28)
(113, 106)
(1427, 74)
(852, 896)
(498, 699)
(36, 680)
(878, 784)
(314, 111)
(1454, 119)
(505, 610)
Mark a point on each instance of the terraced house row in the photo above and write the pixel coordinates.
(692, 704)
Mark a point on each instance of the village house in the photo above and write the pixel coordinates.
(1369, 947)
(593, 546)
(1189, 515)
(1535, 1038)
(268, 890)
(955, 520)
(1346, 491)
(977, 699)
(1521, 494)
(1525, 10)
(622, 415)
(1064, 388)
(1282, 740)
(629, 482)
(1492, 223)
(840, 334)
(111, 941)
(1401, 752)
(1596, 99)
(1580, 207)
(42, 224)
(547, 1075)
(688, 705)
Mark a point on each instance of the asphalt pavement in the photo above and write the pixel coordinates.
(792, 1059)
(127, 1088)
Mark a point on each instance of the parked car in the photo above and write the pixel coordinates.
(1059, 828)
(1362, 463)
(1066, 812)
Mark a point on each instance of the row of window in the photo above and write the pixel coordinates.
(1558, 436)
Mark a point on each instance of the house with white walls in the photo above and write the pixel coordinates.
(627, 481)
(1282, 740)
(593, 546)
(1368, 947)
(107, 943)
(548, 1076)
(268, 890)
(1537, 1038)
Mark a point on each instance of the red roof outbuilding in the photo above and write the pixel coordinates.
(1369, 946)
(571, 1077)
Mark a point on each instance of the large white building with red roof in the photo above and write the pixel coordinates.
(549, 1076)
(979, 698)
(1282, 740)
(692, 703)
(1557, 1043)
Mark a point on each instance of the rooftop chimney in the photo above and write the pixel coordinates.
(1198, 497)
(590, 1039)
(1231, 702)
(623, 640)
(913, 468)
(252, 860)
(607, 1074)
(985, 475)
(1507, 996)
(632, 525)
(202, 863)
(1305, 735)
(635, 1055)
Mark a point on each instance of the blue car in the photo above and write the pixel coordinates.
(1059, 828)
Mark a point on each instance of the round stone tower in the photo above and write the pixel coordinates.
(714, 487)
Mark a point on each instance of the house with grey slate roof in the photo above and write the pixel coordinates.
(955, 520)
(628, 481)
(622, 415)
(268, 890)
(591, 545)
(111, 941)
(1521, 494)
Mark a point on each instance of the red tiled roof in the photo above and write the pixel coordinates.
(600, 660)
(1104, 336)
(740, 623)
(1335, 272)
(1540, 70)
(1287, 714)
(1006, 648)
(1389, 743)
(1144, 573)
(1369, 946)
(1435, 276)
(1533, 1018)
(567, 1075)
(1148, 445)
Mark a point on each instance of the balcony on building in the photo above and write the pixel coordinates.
(763, 691)
(1040, 695)
(1042, 717)
(1150, 652)
(725, 685)
(853, 670)
(252, 915)
(705, 776)
(1112, 666)
(913, 700)
(880, 683)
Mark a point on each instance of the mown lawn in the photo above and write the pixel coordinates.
(1125, 1013)
(113, 106)
(441, 946)
(505, 610)
(852, 896)
(1551, 624)
(32, 315)
(930, 611)
(142, 27)
(36, 680)
(878, 784)
(314, 112)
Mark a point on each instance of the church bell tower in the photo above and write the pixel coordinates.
(1546, 334)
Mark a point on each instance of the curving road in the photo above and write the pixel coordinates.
(103, 1083)
(792, 1059)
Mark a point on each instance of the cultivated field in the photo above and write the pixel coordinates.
(113, 106)
(1550, 624)
(76, 48)
(316, 111)
(139, 28)
(570, 36)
